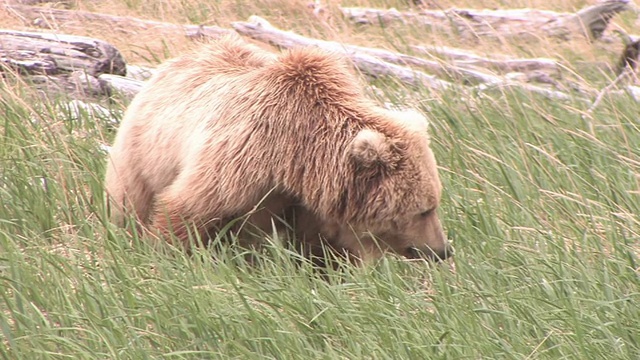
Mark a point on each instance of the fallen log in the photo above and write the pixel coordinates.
(76, 110)
(35, 2)
(502, 64)
(549, 93)
(52, 18)
(139, 72)
(75, 85)
(373, 62)
(467, 75)
(51, 54)
(127, 87)
(260, 29)
(590, 21)
(630, 56)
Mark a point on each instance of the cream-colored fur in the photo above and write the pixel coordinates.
(233, 129)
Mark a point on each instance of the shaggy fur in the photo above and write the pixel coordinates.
(233, 129)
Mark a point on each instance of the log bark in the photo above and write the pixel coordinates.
(51, 18)
(590, 21)
(51, 54)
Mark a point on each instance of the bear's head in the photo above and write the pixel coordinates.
(392, 200)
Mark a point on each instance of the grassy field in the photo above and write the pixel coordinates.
(543, 208)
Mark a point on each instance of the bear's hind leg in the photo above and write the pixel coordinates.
(173, 218)
(193, 204)
(128, 194)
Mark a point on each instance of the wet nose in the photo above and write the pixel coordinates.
(430, 254)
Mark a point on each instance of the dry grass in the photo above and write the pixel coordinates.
(542, 209)
(151, 46)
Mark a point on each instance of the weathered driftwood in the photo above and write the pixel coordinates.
(76, 110)
(501, 64)
(634, 91)
(36, 2)
(550, 93)
(439, 68)
(630, 56)
(77, 84)
(52, 18)
(139, 72)
(46, 53)
(260, 29)
(363, 58)
(627, 72)
(590, 21)
(124, 86)
(40, 54)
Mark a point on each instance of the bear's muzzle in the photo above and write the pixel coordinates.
(428, 253)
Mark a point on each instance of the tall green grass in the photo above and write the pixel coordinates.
(542, 205)
(543, 214)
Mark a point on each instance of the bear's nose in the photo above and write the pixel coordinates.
(414, 252)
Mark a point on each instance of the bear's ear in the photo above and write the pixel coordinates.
(372, 149)
(410, 119)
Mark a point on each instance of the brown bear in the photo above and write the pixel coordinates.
(233, 130)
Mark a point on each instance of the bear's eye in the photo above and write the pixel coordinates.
(427, 212)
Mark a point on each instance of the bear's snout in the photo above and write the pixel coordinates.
(414, 252)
